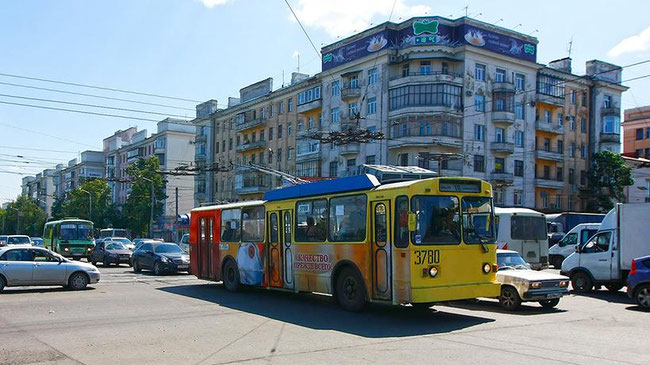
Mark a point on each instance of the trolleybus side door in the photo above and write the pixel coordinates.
(286, 220)
(275, 266)
(381, 251)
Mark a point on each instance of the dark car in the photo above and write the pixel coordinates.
(111, 252)
(160, 257)
(638, 282)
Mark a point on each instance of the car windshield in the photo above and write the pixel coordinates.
(125, 241)
(478, 220)
(526, 227)
(170, 248)
(18, 240)
(115, 246)
(72, 231)
(511, 261)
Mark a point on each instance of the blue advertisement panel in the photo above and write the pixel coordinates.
(431, 32)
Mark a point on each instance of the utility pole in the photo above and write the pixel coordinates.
(90, 204)
(151, 207)
(174, 226)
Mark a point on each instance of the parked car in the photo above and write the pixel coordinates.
(3, 240)
(638, 281)
(578, 235)
(185, 242)
(160, 257)
(144, 240)
(111, 252)
(22, 265)
(125, 241)
(18, 239)
(36, 241)
(519, 283)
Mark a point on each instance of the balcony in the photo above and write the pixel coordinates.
(430, 77)
(610, 111)
(549, 184)
(502, 177)
(549, 127)
(308, 156)
(314, 104)
(549, 155)
(306, 132)
(610, 137)
(351, 92)
(556, 101)
(503, 117)
(502, 147)
(349, 148)
(503, 86)
(425, 141)
(251, 184)
(250, 124)
(450, 110)
(251, 146)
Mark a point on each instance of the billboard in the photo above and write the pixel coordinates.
(430, 32)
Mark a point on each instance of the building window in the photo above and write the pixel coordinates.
(520, 81)
(372, 105)
(299, 126)
(352, 109)
(572, 123)
(499, 135)
(571, 207)
(500, 75)
(639, 134)
(372, 76)
(639, 153)
(479, 132)
(607, 101)
(403, 159)
(270, 133)
(583, 177)
(425, 68)
(583, 125)
(519, 168)
(290, 105)
(309, 95)
(558, 202)
(499, 164)
(647, 133)
(279, 155)
(334, 169)
(517, 197)
(480, 72)
(519, 111)
(370, 160)
(519, 138)
(351, 162)
(611, 124)
(547, 172)
(547, 144)
(280, 131)
(335, 115)
(559, 174)
(262, 135)
(479, 103)
(261, 158)
(405, 70)
(544, 197)
(583, 151)
(550, 85)
(560, 146)
(439, 94)
(238, 141)
(289, 153)
(479, 163)
(281, 107)
(290, 129)
(336, 88)
(230, 144)
(503, 102)
(498, 196)
(572, 176)
(425, 128)
(573, 96)
(560, 118)
(547, 116)
(572, 150)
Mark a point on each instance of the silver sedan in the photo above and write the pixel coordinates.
(28, 265)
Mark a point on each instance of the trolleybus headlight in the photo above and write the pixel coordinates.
(487, 268)
(433, 271)
(564, 284)
(536, 285)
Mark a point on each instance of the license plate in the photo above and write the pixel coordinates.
(183, 266)
(553, 296)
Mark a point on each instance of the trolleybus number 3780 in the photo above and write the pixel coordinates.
(427, 257)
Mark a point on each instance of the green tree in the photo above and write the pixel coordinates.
(97, 192)
(606, 180)
(58, 208)
(23, 216)
(136, 210)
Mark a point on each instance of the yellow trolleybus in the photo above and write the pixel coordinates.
(417, 242)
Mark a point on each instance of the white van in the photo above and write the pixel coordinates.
(567, 245)
(523, 230)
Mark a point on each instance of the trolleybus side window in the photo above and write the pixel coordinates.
(287, 227)
(311, 220)
(401, 222)
(230, 225)
(347, 221)
(438, 220)
(202, 230)
(253, 224)
(380, 224)
(210, 230)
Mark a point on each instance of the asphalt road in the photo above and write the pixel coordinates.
(138, 319)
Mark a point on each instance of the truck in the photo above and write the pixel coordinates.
(560, 224)
(606, 258)
(523, 230)
(567, 245)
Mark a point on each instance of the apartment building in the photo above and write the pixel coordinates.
(41, 189)
(204, 152)
(636, 132)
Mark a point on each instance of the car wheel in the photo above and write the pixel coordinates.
(642, 296)
(105, 262)
(136, 267)
(581, 282)
(78, 281)
(613, 287)
(2, 283)
(509, 298)
(350, 290)
(231, 276)
(557, 262)
(551, 303)
(157, 270)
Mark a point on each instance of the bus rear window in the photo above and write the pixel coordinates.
(524, 227)
(438, 220)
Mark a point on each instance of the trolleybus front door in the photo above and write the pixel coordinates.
(287, 249)
(381, 251)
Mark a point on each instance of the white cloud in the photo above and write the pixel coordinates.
(213, 3)
(635, 43)
(344, 17)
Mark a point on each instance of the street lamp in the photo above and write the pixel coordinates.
(90, 204)
(151, 208)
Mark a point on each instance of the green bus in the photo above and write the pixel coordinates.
(69, 237)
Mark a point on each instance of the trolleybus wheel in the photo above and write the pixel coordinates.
(231, 276)
(350, 290)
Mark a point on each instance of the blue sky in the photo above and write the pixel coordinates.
(209, 49)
